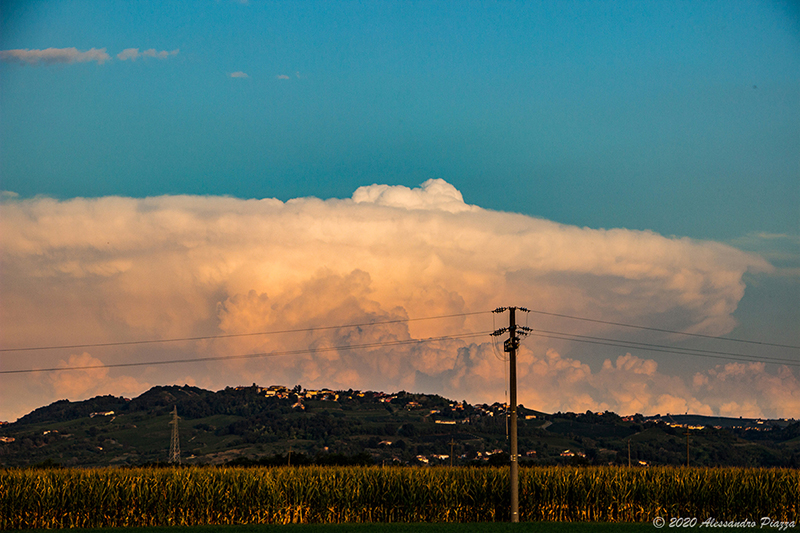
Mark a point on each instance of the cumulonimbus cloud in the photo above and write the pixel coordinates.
(112, 268)
(50, 56)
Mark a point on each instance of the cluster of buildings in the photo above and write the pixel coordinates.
(570, 453)
(484, 456)
(746, 425)
(481, 410)
(479, 456)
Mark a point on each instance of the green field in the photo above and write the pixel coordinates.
(59, 498)
(474, 527)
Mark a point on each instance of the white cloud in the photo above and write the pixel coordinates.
(238, 74)
(433, 194)
(133, 54)
(128, 53)
(282, 77)
(50, 56)
(163, 54)
(112, 268)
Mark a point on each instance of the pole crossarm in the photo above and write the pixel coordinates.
(504, 309)
(511, 345)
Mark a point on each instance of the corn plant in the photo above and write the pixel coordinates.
(200, 496)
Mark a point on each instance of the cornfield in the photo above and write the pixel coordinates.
(198, 496)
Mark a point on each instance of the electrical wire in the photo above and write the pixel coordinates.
(383, 322)
(665, 349)
(730, 339)
(689, 351)
(536, 333)
(235, 335)
(253, 355)
(497, 354)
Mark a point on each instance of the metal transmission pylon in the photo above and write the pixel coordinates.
(510, 345)
(175, 445)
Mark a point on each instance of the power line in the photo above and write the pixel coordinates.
(584, 319)
(664, 349)
(539, 333)
(235, 335)
(252, 355)
(691, 351)
(383, 322)
(533, 332)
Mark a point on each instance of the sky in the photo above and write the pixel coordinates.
(217, 169)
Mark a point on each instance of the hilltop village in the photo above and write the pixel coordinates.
(280, 425)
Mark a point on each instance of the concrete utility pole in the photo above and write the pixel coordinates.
(175, 445)
(510, 346)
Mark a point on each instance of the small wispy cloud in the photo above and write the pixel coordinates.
(51, 56)
(238, 74)
(282, 77)
(128, 53)
(133, 54)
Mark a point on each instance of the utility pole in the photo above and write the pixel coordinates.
(452, 443)
(175, 445)
(510, 346)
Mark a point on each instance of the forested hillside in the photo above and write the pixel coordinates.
(278, 425)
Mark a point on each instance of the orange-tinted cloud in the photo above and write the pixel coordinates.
(87, 381)
(110, 269)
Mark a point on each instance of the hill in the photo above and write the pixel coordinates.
(251, 424)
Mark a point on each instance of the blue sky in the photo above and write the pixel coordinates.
(682, 118)
(679, 117)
